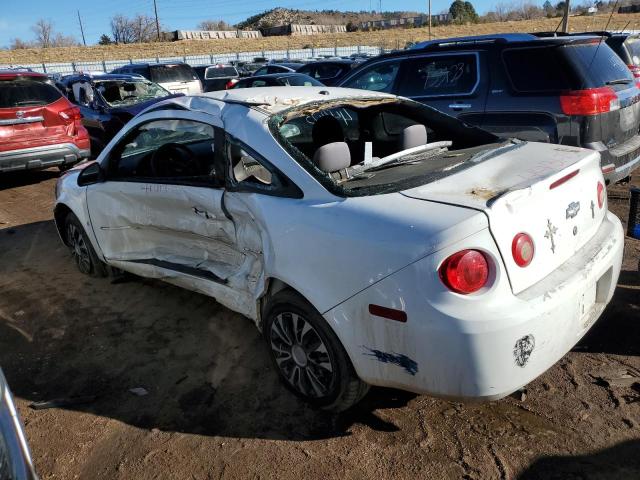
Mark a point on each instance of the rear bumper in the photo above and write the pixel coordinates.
(623, 158)
(483, 347)
(42, 157)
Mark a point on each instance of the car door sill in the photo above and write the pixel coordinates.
(178, 267)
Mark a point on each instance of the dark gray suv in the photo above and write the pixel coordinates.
(571, 90)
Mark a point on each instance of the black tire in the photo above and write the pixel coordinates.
(308, 356)
(81, 249)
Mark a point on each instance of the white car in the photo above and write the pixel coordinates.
(372, 239)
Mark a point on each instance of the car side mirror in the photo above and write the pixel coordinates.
(90, 175)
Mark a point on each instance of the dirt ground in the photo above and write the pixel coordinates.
(395, 38)
(215, 408)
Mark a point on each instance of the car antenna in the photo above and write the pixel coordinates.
(599, 43)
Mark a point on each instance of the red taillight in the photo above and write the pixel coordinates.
(465, 272)
(601, 195)
(590, 101)
(522, 249)
(70, 115)
(230, 84)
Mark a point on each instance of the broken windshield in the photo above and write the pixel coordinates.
(378, 145)
(118, 93)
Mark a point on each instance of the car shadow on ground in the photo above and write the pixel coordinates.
(193, 365)
(621, 315)
(26, 177)
(619, 462)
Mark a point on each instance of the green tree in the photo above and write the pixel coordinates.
(105, 40)
(463, 12)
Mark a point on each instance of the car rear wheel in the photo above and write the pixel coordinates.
(81, 249)
(308, 355)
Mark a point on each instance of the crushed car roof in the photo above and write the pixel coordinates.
(275, 99)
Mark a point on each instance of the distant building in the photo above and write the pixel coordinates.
(630, 8)
(297, 29)
(209, 34)
(419, 21)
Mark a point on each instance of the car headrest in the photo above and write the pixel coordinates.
(413, 136)
(332, 157)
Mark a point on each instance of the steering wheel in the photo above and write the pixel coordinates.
(172, 160)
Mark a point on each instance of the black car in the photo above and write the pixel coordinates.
(329, 72)
(626, 45)
(216, 77)
(279, 68)
(15, 458)
(278, 80)
(568, 90)
(108, 101)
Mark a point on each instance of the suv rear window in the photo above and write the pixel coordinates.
(218, 72)
(597, 64)
(537, 69)
(172, 73)
(26, 92)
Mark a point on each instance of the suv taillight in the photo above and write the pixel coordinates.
(70, 115)
(465, 272)
(590, 101)
(230, 83)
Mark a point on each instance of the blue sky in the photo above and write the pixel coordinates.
(16, 17)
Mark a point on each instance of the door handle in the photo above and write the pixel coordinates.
(460, 106)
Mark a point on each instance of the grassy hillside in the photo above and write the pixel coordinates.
(387, 38)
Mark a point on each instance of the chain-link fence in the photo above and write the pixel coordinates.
(108, 65)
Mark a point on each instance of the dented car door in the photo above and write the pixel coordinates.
(161, 211)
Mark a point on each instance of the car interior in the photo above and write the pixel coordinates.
(176, 149)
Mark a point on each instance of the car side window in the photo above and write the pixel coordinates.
(262, 71)
(259, 83)
(326, 71)
(439, 75)
(377, 78)
(250, 172)
(167, 150)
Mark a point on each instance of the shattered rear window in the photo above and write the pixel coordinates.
(374, 130)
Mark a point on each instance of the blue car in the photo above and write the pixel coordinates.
(108, 101)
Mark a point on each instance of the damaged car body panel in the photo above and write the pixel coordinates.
(365, 206)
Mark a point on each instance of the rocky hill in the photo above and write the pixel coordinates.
(283, 16)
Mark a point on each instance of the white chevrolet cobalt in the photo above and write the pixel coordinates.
(372, 239)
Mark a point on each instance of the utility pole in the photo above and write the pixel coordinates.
(565, 18)
(81, 29)
(429, 19)
(155, 9)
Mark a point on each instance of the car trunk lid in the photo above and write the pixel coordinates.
(546, 191)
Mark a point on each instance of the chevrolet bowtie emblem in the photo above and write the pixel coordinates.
(573, 209)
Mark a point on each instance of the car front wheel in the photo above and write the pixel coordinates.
(308, 355)
(81, 249)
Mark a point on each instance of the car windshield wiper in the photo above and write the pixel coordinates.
(620, 81)
(399, 157)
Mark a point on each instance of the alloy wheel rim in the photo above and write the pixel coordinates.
(79, 249)
(301, 355)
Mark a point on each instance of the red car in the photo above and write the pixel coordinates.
(39, 126)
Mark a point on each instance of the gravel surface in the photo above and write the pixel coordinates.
(206, 403)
